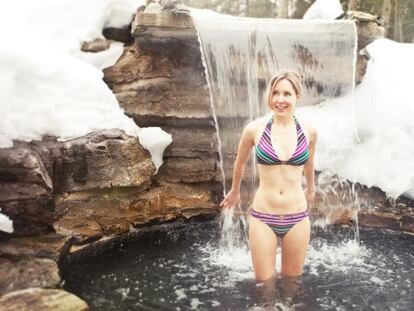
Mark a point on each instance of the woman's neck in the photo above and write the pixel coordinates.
(283, 120)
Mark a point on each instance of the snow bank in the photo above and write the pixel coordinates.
(48, 84)
(324, 9)
(383, 121)
(6, 224)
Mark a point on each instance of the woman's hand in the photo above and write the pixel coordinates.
(310, 196)
(231, 199)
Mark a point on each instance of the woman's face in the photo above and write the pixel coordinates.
(283, 98)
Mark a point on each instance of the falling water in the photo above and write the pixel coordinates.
(240, 57)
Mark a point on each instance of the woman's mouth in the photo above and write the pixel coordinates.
(281, 107)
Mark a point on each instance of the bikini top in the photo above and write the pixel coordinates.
(266, 154)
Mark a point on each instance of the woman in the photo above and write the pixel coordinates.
(284, 150)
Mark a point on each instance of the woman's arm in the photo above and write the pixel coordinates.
(309, 168)
(245, 145)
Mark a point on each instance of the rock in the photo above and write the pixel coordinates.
(135, 64)
(188, 170)
(49, 246)
(25, 191)
(48, 150)
(379, 220)
(168, 201)
(88, 216)
(401, 205)
(194, 143)
(369, 27)
(26, 273)
(100, 160)
(166, 101)
(95, 46)
(361, 68)
(166, 32)
(407, 223)
(23, 165)
(118, 34)
(38, 299)
(31, 216)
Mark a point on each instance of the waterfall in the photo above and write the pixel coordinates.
(241, 55)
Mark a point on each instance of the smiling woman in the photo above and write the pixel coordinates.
(284, 150)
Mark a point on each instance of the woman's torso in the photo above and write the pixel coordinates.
(280, 190)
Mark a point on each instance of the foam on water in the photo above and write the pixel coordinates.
(341, 257)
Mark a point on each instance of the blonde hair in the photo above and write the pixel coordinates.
(291, 75)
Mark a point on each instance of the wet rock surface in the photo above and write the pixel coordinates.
(38, 299)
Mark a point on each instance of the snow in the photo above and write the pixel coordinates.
(6, 224)
(50, 87)
(383, 121)
(155, 140)
(324, 9)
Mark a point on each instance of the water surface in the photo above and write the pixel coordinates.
(179, 267)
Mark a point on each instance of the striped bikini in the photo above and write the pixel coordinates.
(266, 155)
(280, 224)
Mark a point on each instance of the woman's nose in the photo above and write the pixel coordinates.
(279, 98)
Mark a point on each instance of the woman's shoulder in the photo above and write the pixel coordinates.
(257, 124)
(308, 128)
(260, 122)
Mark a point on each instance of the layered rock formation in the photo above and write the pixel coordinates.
(159, 81)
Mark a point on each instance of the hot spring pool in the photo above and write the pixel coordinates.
(180, 267)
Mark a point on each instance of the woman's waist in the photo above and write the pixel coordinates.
(279, 201)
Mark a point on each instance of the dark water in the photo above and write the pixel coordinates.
(178, 267)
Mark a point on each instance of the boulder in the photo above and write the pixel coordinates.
(194, 143)
(89, 217)
(169, 32)
(169, 201)
(369, 27)
(166, 101)
(28, 272)
(38, 299)
(189, 170)
(100, 160)
(49, 246)
(95, 46)
(379, 220)
(25, 191)
(407, 223)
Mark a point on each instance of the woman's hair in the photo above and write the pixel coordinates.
(291, 75)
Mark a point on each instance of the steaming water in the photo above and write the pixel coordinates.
(180, 267)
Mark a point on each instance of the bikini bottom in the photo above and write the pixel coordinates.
(280, 223)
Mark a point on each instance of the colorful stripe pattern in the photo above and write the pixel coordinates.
(266, 154)
(280, 224)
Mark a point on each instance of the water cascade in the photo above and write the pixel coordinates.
(242, 54)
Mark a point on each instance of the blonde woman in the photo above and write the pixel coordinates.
(284, 150)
